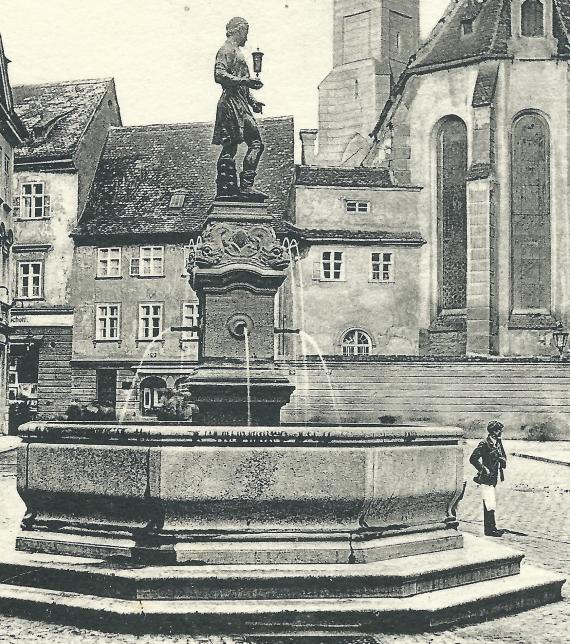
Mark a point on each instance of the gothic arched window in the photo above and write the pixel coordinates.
(530, 214)
(356, 343)
(452, 214)
(532, 18)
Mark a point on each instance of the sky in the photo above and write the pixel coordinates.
(161, 52)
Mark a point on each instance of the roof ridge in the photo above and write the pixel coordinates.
(79, 81)
(187, 124)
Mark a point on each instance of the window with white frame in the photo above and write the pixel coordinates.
(190, 317)
(382, 267)
(354, 207)
(356, 343)
(30, 280)
(34, 202)
(177, 200)
(149, 263)
(109, 262)
(332, 266)
(150, 321)
(107, 322)
(7, 186)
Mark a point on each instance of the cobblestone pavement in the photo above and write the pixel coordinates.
(534, 501)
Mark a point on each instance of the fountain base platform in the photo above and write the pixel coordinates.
(281, 531)
(417, 593)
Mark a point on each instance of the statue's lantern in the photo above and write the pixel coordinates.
(257, 61)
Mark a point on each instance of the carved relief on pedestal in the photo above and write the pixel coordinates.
(224, 243)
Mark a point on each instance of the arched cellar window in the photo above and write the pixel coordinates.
(452, 214)
(530, 214)
(356, 343)
(532, 18)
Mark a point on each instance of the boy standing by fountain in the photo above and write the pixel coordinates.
(490, 460)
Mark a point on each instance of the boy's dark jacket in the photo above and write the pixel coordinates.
(491, 456)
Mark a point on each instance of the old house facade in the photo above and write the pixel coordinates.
(134, 308)
(54, 166)
(12, 131)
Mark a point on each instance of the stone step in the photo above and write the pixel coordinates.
(485, 599)
(480, 560)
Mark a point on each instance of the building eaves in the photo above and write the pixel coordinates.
(359, 177)
(396, 238)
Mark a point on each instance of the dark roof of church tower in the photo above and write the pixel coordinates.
(56, 116)
(142, 167)
(490, 30)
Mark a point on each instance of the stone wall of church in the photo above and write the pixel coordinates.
(523, 85)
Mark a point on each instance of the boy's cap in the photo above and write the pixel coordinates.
(495, 426)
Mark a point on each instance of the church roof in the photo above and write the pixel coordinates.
(449, 46)
(491, 29)
(142, 167)
(56, 116)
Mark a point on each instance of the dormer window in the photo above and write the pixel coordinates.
(466, 27)
(177, 200)
(532, 18)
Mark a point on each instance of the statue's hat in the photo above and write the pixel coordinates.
(234, 23)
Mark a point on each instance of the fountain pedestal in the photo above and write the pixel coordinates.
(236, 270)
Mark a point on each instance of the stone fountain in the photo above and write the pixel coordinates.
(235, 524)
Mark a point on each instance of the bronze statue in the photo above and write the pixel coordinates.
(235, 122)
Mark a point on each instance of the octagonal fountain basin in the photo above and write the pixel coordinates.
(215, 495)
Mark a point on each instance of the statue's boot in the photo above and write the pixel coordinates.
(247, 179)
(226, 180)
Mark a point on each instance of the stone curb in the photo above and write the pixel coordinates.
(542, 459)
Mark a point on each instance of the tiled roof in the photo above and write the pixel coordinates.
(361, 177)
(491, 30)
(412, 238)
(141, 167)
(59, 112)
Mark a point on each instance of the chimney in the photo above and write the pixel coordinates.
(308, 140)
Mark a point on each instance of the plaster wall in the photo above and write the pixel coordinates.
(388, 312)
(54, 231)
(172, 290)
(325, 208)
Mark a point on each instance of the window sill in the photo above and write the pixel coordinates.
(140, 341)
(147, 277)
(29, 299)
(325, 281)
(108, 277)
(381, 282)
(532, 321)
(31, 218)
(117, 341)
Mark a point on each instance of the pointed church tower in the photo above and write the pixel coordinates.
(372, 42)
